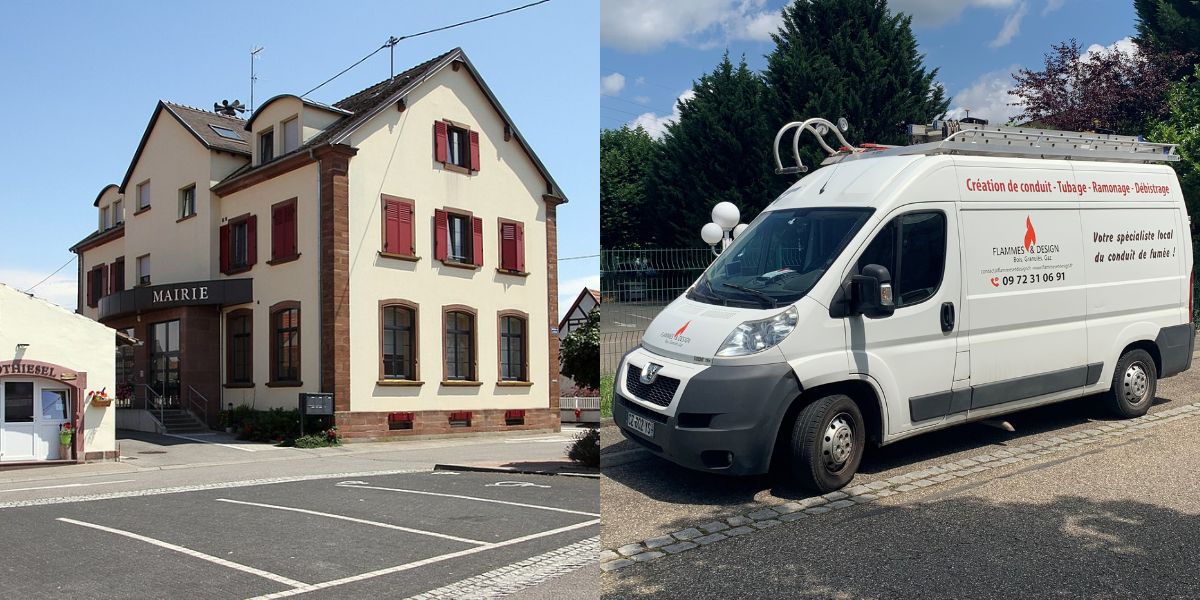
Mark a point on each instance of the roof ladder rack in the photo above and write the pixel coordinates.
(984, 140)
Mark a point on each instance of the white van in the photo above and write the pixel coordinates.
(907, 289)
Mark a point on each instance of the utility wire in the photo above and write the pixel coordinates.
(392, 41)
(578, 257)
(30, 289)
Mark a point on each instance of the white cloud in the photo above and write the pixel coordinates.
(1052, 5)
(612, 84)
(1011, 27)
(934, 13)
(656, 125)
(647, 25)
(987, 98)
(642, 99)
(641, 80)
(1124, 45)
(60, 289)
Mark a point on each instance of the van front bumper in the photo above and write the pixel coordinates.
(724, 419)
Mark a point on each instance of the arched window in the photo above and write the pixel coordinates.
(398, 322)
(459, 349)
(285, 343)
(514, 344)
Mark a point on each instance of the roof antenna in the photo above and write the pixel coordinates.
(253, 55)
(391, 44)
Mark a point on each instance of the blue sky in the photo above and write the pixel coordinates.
(652, 50)
(82, 78)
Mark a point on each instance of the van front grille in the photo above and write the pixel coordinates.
(661, 392)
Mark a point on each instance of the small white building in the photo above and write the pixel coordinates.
(50, 360)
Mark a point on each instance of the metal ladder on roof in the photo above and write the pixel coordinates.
(955, 137)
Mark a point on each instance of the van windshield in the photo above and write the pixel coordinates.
(780, 257)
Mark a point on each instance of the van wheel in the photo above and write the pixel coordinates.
(1134, 384)
(827, 443)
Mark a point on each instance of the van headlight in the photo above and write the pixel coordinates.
(756, 336)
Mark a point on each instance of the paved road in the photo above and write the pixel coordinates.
(358, 522)
(1071, 505)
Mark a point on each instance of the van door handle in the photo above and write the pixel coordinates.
(947, 316)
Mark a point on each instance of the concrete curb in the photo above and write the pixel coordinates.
(482, 469)
(771, 515)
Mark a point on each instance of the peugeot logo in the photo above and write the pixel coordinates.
(650, 373)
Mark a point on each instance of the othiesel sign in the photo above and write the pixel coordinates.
(189, 293)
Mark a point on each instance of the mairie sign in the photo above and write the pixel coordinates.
(187, 293)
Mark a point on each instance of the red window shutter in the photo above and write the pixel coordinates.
(474, 150)
(508, 246)
(91, 296)
(391, 227)
(224, 248)
(440, 144)
(292, 247)
(277, 234)
(407, 244)
(251, 240)
(477, 240)
(520, 245)
(441, 235)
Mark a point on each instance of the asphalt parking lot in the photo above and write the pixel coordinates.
(444, 534)
(1071, 504)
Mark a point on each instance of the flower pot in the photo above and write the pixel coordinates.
(64, 451)
(101, 403)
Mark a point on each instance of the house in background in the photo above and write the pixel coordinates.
(396, 249)
(51, 360)
(575, 316)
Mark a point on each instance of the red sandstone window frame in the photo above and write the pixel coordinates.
(472, 378)
(384, 377)
(275, 310)
(522, 316)
(230, 360)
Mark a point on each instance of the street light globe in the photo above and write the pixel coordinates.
(711, 233)
(726, 215)
(739, 229)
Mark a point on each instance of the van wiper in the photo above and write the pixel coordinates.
(770, 301)
(710, 294)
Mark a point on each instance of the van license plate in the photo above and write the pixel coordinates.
(640, 424)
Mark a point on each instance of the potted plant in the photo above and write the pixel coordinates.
(99, 398)
(66, 435)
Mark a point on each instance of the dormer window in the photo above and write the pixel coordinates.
(118, 212)
(266, 146)
(104, 222)
(291, 134)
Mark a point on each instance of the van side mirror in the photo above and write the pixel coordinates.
(871, 292)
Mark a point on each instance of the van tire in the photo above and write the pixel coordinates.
(828, 438)
(1134, 384)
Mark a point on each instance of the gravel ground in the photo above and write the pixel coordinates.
(1100, 520)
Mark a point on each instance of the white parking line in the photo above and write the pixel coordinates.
(421, 563)
(65, 485)
(424, 493)
(202, 556)
(196, 439)
(357, 520)
(540, 440)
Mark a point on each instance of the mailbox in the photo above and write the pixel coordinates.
(316, 404)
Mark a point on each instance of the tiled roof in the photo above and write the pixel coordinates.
(365, 104)
(199, 122)
(366, 101)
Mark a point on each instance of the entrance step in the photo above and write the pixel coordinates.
(181, 421)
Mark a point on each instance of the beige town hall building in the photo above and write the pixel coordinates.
(396, 249)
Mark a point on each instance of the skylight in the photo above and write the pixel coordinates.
(227, 133)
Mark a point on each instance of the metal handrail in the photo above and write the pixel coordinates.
(159, 401)
(192, 393)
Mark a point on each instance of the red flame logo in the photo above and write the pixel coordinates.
(1030, 234)
(682, 329)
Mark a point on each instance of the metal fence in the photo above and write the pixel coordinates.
(634, 286)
